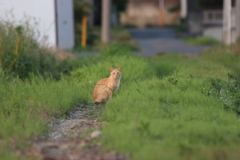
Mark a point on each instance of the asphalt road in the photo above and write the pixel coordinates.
(162, 40)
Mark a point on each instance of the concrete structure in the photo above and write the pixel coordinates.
(217, 21)
(105, 27)
(54, 19)
(144, 13)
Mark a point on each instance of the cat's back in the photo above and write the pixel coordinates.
(102, 81)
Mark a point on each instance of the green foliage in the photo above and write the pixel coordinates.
(167, 107)
(228, 91)
(79, 10)
(180, 113)
(26, 108)
(98, 67)
(200, 40)
(20, 53)
(176, 119)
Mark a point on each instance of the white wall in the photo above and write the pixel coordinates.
(65, 28)
(43, 11)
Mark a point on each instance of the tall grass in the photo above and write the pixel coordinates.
(167, 107)
(179, 114)
(171, 106)
(97, 67)
(26, 107)
(20, 53)
(155, 118)
(30, 95)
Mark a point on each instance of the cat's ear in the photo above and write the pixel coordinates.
(111, 69)
(120, 68)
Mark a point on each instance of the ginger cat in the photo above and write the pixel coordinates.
(104, 87)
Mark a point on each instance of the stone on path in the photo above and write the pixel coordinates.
(96, 134)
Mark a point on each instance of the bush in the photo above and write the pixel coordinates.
(20, 53)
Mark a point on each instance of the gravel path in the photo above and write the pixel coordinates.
(70, 138)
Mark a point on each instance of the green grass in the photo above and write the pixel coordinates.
(167, 107)
(201, 40)
(20, 53)
(180, 113)
(171, 106)
(27, 107)
(157, 118)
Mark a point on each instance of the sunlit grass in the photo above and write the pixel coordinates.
(179, 113)
(156, 114)
(27, 107)
(167, 107)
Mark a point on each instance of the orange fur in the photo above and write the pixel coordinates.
(104, 87)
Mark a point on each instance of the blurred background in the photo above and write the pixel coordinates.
(211, 21)
(29, 36)
(90, 25)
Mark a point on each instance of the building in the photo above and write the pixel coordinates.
(52, 19)
(143, 13)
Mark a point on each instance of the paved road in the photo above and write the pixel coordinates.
(162, 40)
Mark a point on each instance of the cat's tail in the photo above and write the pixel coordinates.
(104, 101)
(102, 97)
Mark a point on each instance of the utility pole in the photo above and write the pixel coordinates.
(227, 22)
(161, 13)
(183, 9)
(238, 19)
(105, 27)
(84, 28)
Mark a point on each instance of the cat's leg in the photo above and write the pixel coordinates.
(110, 94)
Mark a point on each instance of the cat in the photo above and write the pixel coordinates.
(104, 88)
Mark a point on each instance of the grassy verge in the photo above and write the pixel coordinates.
(187, 110)
(168, 107)
(201, 40)
(171, 106)
(30, 95)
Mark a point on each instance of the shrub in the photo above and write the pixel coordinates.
(20, 53)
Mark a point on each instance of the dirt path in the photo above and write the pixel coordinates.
(70, 138)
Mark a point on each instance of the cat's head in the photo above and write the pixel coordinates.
(116, 73)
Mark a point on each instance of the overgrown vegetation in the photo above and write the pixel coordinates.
(188, 110)
(168, 107)
(21, 55)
